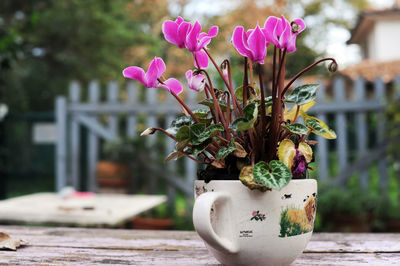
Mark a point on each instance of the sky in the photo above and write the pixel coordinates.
(333, 44)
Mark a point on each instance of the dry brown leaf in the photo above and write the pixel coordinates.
(9, 243)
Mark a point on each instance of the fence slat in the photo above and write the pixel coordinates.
(322, 147)
(112, 97)
(152, 97)
(172, 166)
(361, 128)
(131, 127)
(74, 97)
(380, 95)
(93, 141)
(61, 148)
(341, 124)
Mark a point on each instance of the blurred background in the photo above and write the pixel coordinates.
(68, 118)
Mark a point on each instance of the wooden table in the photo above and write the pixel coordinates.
(60, 246)
(105, 210)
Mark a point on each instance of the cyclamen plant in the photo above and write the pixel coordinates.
(242, 134)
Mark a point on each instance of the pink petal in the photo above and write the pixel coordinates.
(291, 44)
(196, 82)
(286, 34)
(179, 20)
(257, 45)
(183, 30)
(202, 58)
(191, 39)
(238, 40)
(170, 31)
(205, 38)
(301, 23)
(135, 73)
(213, 31)
(269, 27)
(173, 85)
(155, 71)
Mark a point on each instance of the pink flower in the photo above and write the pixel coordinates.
(282, 33)
(151, 77)
(195, 82)
(183, 34)
(251, 44)
(176, 31)
(254, 213)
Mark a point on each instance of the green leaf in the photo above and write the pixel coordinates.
(183, 133)
(199, 133)
(320, 128)
(246, 122)
(247, 178)
(253, 92)
(268, 101)
(225, 151)
(296, 128)
(276, 175)
(197, 149)
(179, 122)
(210, 103)
(303, 94)
(201, 113)
(172, 156)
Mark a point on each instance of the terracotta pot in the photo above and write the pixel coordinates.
(393, 226)
(351, 223)
(248, 227)
(152, 223)
(112, 175)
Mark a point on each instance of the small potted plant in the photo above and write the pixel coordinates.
(254, 203)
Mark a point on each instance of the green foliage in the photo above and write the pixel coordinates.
(225, 151)
(179, 122)
(320, 128)
(199, 133)
(246, 122)
(297, 128)
(303, 94)
(210, 103)
(274, 175)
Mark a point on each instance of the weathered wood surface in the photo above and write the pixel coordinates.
(99, 210)
(71, 246)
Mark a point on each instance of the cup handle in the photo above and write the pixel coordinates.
(202, 222)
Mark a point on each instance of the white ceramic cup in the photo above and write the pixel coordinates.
(248, 227)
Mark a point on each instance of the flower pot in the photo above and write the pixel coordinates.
(112, 177)
(152, 223)
(248, 227)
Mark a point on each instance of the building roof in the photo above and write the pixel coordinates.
(367, 19)
(370, 70)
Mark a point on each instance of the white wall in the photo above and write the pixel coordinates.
(384, 41)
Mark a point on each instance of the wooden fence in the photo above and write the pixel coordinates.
(347, 107)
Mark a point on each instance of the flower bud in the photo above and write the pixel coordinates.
(295, 27)
(333, 66)
(148, 131)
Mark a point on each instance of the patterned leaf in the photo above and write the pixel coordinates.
(210, 103)
(287, 152)
(318, 127)
(297, 128)
(179, 122)
(225, 151)
(246, 122)
(253, 92)
(306, 150)
(290, 115)
(303, 94)
(201, 113)
(276, 175)
(183, 133)
(247, 178)
(199, 133)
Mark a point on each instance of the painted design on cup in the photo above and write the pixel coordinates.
(257, 216)
(297, 221)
